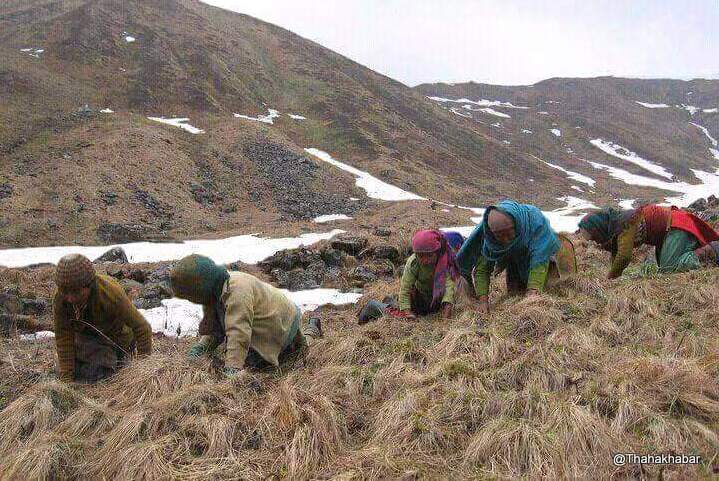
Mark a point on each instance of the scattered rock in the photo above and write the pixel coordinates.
(303, 279)
(109, 198)
(386, 251)
(290, 179)
(6, 190)
(352, 245)
(332, 257)
(138, 275)
(382, 232)
(121, 233)
(204, 194)
(116, 254)
(707, 209)
(154, 206)
(291, 259)
(360, 276)
(10, 301)
(35, 307)
(131, 286)
(157, 291)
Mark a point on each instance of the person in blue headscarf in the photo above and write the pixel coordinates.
(518, 239)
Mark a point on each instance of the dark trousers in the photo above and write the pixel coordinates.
(97, 358)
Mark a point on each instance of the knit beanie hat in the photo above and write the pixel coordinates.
(198, 279)
(74, 271)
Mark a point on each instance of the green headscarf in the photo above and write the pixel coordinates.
(603, 226)
(198, 279)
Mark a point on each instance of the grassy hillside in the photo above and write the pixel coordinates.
(547, 387)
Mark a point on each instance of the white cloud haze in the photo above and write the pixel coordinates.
(507, 42)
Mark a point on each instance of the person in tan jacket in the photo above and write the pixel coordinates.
(259, 325)
(97, 328)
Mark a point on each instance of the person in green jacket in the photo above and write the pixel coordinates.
(97, 328)
(430, 277)
(518, 239)
(258, 324)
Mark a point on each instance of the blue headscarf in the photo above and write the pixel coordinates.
(454, 239)
(468, 255)
(535, 242)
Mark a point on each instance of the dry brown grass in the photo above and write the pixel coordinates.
(549, 388)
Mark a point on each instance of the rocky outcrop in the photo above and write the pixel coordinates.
(116, 255)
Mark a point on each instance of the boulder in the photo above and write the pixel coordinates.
(116, 255)
(130, 285)
(332, 257)
(352, 245)
(35, 307)
(360, 276)
(157, 291)
(10, 301)
(303, 279)
(386, 251)
(382, 232)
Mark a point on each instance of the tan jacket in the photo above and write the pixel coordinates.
(257, 316)
(109, 314)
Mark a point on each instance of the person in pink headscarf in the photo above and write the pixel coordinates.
(430, 277)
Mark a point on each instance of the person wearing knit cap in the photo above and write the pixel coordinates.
(518, 239)
(682, 241)
(97, 328)
(429, 279)
(258, 324)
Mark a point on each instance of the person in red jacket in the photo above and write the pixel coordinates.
(682, 241)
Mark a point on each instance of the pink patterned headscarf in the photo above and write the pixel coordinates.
(429, 241)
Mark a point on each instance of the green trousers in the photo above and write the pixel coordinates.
(677, 252)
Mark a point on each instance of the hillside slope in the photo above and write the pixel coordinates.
(550, 387)
(637, 139)
(182, 58)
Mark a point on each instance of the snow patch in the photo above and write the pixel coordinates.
(690, 192)
(330, 217)
(479, 103)
(181, 122)
(106, 111)
(506, 142)
(33, 52)
(543, 113)
(689, 108)
(297, 117)
(461, 114)
(38, 336)
(620, 152)
(572, 175)
(181, 318)
(652, 106)
(129, 38)
(525, 131)
(267, 119)
(627, 204)
(495, 113)
(249, 249)
(577, 188)
(711, 111)
(375, 188)
(556, 132)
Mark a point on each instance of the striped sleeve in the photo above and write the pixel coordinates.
(64, 340)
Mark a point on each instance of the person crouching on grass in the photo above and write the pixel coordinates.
(429, 279)
(681, 241)
(258, 324)
(519, 239)
(97, 328)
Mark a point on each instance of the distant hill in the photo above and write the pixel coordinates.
(73, 174)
